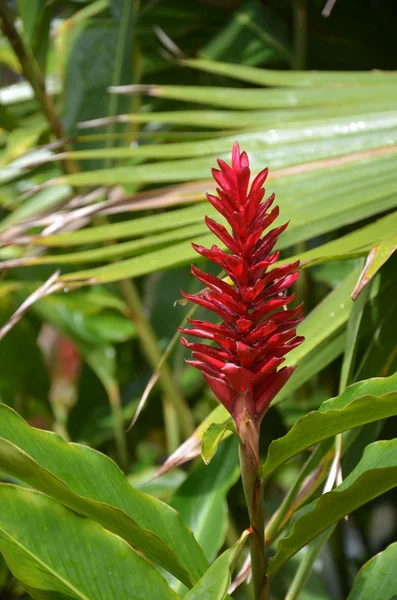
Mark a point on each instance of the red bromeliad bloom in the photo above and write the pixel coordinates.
(257, 329)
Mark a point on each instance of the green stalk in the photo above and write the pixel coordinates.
(307, 563)
(300, 34)
(177, 413)
(254, 493)
(118, 426)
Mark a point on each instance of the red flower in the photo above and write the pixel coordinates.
(257, 329)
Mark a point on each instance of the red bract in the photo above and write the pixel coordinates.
(242, 368)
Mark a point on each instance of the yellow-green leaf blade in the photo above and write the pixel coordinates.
(51, 549)
(93, 485)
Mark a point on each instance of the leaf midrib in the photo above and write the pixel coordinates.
(45, 566)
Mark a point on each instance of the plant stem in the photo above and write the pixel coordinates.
(253, 489)
(118, 426)
(306, 566)
(176, 409)
(32, 73)
(300, 34)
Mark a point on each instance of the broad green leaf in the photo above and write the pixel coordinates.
(10, 60)
(50, 549)
(374, 475)
(215, 582)
(273, 77)
(29, 11)
(232, 119)
(36, 18)
(39, 203)
(3, 573)
(212, 437)
(171, 256)
(314, 212)
(117, 250)
(84, 322)
(271, 98)
(201, 499)
(377, 578)
(133, 228)
(332, 129)
(90, 70)
(306, 198)
(91, 484)
(361, 403)
(282, 156)
(162, 487)
(182, 252)
(353, 244)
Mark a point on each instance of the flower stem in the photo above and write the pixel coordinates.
(253, 489)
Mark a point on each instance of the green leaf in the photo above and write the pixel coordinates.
(215, 582)
(133, 228)
(101, 56)
(338, 130)
(10, 60)
(117, 250)
(21, 139)
(258, 144)
(374, 475)
(376, 259)
(29, 12)
(313, 213)
(377, 578)
(91, 484)
(253, 36)
(160, 487)
(90, 10)
(352, 336)
(39, 203)
(271, 98)
(273, 77)
(28, 377)
(7, 120)
(212, 437)
(354, 244)
(85, 323)
(361, 403)
(232, 119)
(201, 499)
(50, 549)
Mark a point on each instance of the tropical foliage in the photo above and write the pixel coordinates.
(112, 114)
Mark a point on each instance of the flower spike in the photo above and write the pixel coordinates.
(257, 329)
